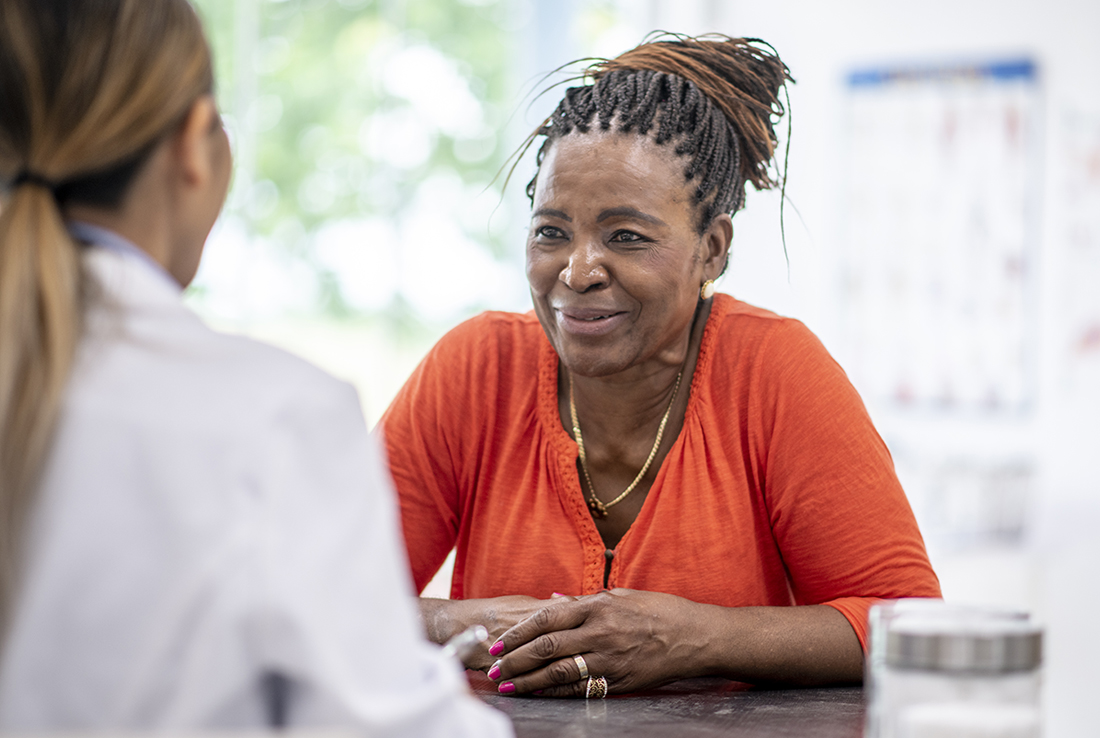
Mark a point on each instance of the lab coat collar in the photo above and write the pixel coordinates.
(123, 269)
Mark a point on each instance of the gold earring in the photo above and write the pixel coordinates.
(707, 290)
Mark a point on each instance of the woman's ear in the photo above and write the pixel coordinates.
(200, 168)
(716, 240)
(192, 141)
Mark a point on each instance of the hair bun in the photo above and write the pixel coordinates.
(741, 76)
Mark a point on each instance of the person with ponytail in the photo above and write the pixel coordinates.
(196, 531)
(645, 480)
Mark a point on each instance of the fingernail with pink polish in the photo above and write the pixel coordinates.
(497, 648)
(506, 688)
(494, 673)
(557, 594)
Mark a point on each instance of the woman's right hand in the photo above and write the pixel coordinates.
(444, 619)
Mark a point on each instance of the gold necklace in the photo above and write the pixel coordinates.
(598, 508)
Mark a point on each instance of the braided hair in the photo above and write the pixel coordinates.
(712, 97)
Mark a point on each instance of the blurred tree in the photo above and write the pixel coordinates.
(342, 110)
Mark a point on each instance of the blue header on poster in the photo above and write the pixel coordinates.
(1010, 70)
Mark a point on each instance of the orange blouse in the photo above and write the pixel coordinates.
(778, 490)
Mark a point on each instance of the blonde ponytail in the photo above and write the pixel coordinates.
(40, 288)
(88, 88)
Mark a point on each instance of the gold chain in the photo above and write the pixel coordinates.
(598, 508)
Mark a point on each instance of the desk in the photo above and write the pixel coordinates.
(692, 708)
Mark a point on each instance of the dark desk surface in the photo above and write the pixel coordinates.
(693, 708)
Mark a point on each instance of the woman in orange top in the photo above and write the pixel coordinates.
(695, 475)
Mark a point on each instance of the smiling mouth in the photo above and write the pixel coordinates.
(590, 321)
(587, 314)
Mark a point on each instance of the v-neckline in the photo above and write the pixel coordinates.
(565, 451)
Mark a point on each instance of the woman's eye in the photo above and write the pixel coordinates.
(549, 232)
(626, 237)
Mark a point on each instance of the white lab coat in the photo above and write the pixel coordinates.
(212, 510)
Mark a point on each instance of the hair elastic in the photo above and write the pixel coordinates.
(28, 177)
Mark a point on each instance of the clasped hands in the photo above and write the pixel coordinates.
(634, 639)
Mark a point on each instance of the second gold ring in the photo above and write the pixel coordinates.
(596, 689)
(581, 665)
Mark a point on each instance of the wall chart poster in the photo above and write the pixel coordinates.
(940, 236)
(1079, 235)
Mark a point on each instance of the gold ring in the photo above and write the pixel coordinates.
(596, 689)
(581, 665)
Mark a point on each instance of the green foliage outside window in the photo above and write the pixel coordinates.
(343, 110)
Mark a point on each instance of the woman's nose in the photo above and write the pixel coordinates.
(585, 268)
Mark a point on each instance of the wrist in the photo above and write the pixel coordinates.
(441, 621)
(705, 643)
(683, 632)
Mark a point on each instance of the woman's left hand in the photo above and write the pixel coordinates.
(634, 639)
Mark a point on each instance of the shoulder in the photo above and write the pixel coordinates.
(494, 342)
(493, 328)
(482, 368)
(272, 378)
(146, 365)
(139, 333)
(758, 361)
(292, 428)
(746, 336)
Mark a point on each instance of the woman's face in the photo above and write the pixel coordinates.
(614, 258)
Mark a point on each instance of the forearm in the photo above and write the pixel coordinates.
(803, 645)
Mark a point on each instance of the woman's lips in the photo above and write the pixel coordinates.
(589, 321)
